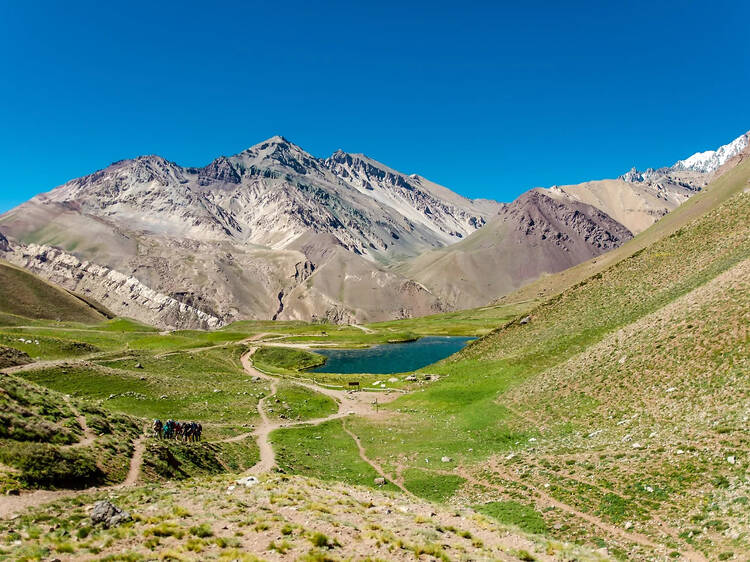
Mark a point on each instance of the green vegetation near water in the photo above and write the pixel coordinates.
(283, 359)
(621, 397)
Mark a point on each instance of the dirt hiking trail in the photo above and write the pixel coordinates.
(348, 404)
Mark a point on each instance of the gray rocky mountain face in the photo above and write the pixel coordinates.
(276, 233)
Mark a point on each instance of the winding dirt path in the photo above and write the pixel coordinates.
(136, 461)
(10, 506)
(348, 404)
(88, 435)
(376, 467)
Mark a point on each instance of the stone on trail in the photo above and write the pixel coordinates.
(247, 481)
(108, 514)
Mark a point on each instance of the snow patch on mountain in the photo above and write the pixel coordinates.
(710, 160)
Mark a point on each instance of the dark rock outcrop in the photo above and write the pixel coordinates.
(11, 357)
(108, 514)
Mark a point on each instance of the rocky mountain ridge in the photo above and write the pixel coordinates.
(536, 234)
(276, 233)
(269, 195)
(125, 295)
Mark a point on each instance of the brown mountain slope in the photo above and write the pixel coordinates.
(534, 235)
(229, 240)
(636, 205)
(732, 178)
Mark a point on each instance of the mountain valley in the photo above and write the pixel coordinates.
(275, 233)
(600, 414)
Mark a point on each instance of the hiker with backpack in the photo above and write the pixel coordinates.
(157, 427)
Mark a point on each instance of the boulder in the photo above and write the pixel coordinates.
(108, 514)
(380, 481)
(446, 459)
(411, 378)
(247, 481)
(525, 320)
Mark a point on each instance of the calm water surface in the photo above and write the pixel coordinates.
(391, 357)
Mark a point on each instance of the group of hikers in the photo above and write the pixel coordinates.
(182, 431)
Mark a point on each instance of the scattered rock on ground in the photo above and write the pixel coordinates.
(108, 514)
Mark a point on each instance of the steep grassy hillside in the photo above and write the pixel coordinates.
(24, 295)
(50, 441)
(617, 410)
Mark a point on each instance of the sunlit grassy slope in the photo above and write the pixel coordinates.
(623, 397)
(24, 295)
(40, 433)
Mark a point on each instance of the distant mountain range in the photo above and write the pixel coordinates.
(276, 233)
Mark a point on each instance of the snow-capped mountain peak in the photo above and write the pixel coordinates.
(711, 160)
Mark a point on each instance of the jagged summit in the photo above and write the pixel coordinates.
(705, 162)
(235, 237)
(711, 160)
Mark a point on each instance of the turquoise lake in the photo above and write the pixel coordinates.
(391, 357)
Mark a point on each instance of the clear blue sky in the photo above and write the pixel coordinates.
(486, 99)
